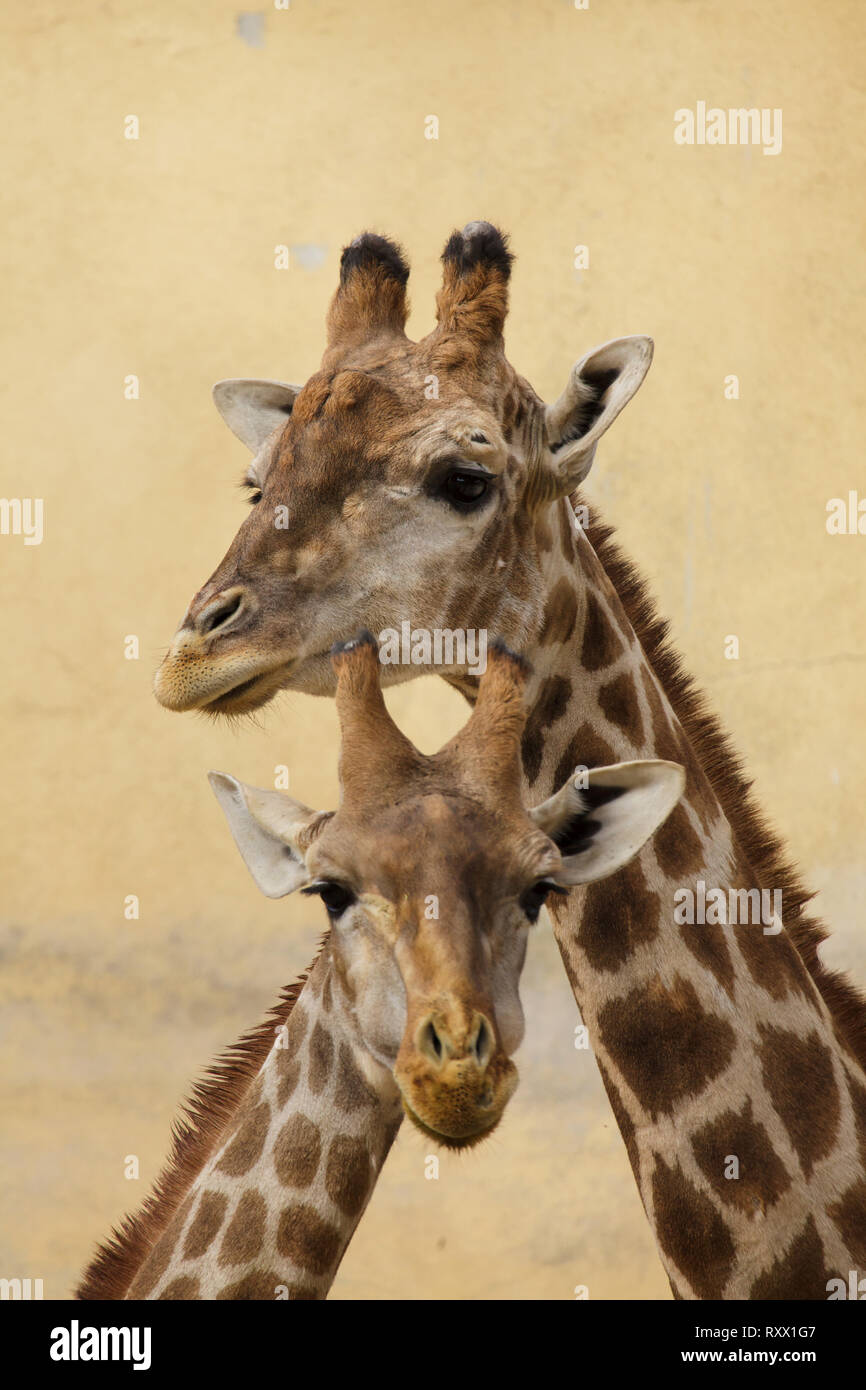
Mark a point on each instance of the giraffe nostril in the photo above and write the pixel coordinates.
(433, 1041)
(482, 1045)
(220, 612)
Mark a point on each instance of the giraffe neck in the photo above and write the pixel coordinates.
(732, 1060)
(274, 1202)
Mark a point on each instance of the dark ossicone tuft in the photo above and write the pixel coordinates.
(479, 242)
(370, 249)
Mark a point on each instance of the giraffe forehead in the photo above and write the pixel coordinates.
(434, 843)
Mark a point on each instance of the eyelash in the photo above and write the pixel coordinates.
(342, 897)
(255, 492)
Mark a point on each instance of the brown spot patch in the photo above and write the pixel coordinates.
(798, 1075)
(348, 1175)
(264, 1286)
(586, 749)
(246, 1147)
(560, 612)
(288, 1074)
(691, 1232)
(179, 1289)
(550, 706)
(623, 1119)
(708, 946)
(666, 1045)
(849, 1214)
(245, 1235)
(619, 704)
(154, 1266)
(341, 976)
(306, 1239)
(617, 611)
(297, 1152)
(351, 1091)
(799, 1273)
(299, 1019)
(670, 742)
(678, 850)
(762, 1175)
(618, 915)
(601, 644)
(205, 1224)
(158, 1260)
(774, 963)
(321, 1058)
(858, 1105)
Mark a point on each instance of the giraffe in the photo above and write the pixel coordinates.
(427, 482)
(431, 872)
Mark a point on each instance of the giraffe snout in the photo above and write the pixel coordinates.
(220, 613)
(441, 1043)
(454, 1075)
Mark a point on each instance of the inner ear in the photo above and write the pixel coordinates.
(253, 409)
(599, 386)
(589, 405)
(576, 833)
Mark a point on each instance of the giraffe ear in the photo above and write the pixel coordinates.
(600, 385)
(599, 828)
(267, 827)
(254, 409)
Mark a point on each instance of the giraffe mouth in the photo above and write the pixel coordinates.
(452, 1141)
(247, 695)
(310, 674)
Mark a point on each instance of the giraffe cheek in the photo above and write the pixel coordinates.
(382, 1020)
(510, 1024)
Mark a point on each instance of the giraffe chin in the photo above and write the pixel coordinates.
(248, 696)
(451, 1141)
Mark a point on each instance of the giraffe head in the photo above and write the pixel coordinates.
(432, 871)
(404, 481)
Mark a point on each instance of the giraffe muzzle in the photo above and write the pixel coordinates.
(455, 1082)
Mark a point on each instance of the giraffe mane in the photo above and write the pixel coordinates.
(723, 768)
(195, 1134)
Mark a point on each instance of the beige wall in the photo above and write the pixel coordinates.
(155, 257)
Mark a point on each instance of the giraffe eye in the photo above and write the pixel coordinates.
(465, 488)
(336, 896)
